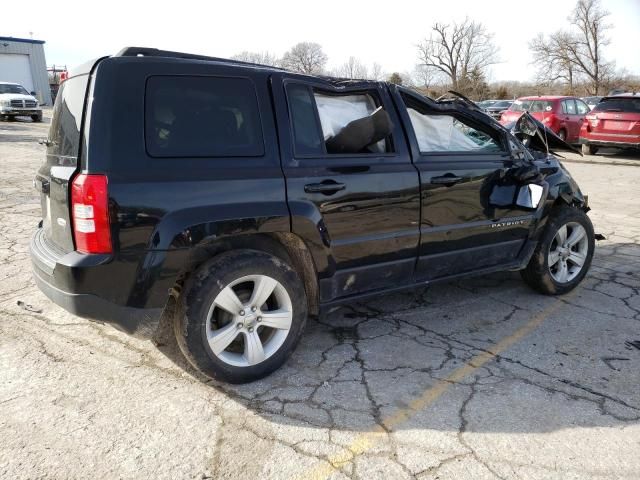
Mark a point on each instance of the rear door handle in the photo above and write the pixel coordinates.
(324, 187)
(446, 180)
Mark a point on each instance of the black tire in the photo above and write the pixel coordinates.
(563, 134)
(537, 274)
(36, 118)
(2, 118)
(589, 149)
(11, 118)
(200, 291)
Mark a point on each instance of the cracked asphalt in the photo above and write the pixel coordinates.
(478, 379)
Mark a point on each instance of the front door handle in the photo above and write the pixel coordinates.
(446, 180)
(326, 187)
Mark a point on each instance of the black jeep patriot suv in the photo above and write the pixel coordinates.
(253, 197)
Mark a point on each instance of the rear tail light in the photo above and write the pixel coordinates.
(90, 212)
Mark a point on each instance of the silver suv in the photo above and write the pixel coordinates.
(15, 101)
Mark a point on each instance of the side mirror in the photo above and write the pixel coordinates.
(32, 93)
(526, 126)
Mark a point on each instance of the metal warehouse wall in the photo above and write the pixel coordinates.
(35, 50)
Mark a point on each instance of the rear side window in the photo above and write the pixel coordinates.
(66, 122)
(618, 105)
(189, 116)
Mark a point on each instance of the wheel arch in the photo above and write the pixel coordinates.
(284, 245)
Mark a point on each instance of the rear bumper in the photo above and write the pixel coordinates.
(634, 142)
(51, 270)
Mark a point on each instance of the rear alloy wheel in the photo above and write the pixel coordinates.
(564, 252)
(589, 149)
(242, 330)
(241, 316)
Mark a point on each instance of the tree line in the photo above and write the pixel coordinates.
(458, 56)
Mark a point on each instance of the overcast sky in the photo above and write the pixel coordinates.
(373, 31)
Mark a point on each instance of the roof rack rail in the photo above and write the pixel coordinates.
(154, 52)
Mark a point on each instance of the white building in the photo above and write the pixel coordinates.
(22, 61)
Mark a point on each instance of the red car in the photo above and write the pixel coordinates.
(562, 115)
(613, 122)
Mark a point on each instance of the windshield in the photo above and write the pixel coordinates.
(486, 103)
(618, 105)
(531, 106)
(502, 104)
(12, 88)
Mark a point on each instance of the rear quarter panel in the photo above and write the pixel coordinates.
(162, 207)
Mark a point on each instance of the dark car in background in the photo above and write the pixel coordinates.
(486, 103)
(614, 122)
(562, 115)
(497, 108)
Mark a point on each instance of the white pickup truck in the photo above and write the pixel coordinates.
(15, 101)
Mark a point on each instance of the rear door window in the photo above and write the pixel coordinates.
(569, 107)
(325, 122)
(191, 116)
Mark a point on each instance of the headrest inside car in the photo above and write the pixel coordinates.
(361, 133)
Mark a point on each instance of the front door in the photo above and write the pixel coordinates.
(359, 204)
(459, 158)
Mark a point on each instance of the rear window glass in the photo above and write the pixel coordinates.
(188, 116)
(531, 106)
(618, 105)
(66, 121)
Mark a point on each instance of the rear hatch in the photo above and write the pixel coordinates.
(616, 116)
(61, 162)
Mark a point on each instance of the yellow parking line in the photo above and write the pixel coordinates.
(367, 440)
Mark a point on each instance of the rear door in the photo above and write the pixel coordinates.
(459, 159)
(61, 162)
(570, 119)
(362, 207)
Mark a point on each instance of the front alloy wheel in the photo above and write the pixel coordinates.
(568, 252)
(564, 252)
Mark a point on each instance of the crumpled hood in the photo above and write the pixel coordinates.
(545, 139)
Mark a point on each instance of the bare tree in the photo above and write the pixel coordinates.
(568, 56)
(262, 58)
(352, 68)
(553, 58)
(423, 77)
(589, 18)
(375, 73)
(455, 50)
(305, 57)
